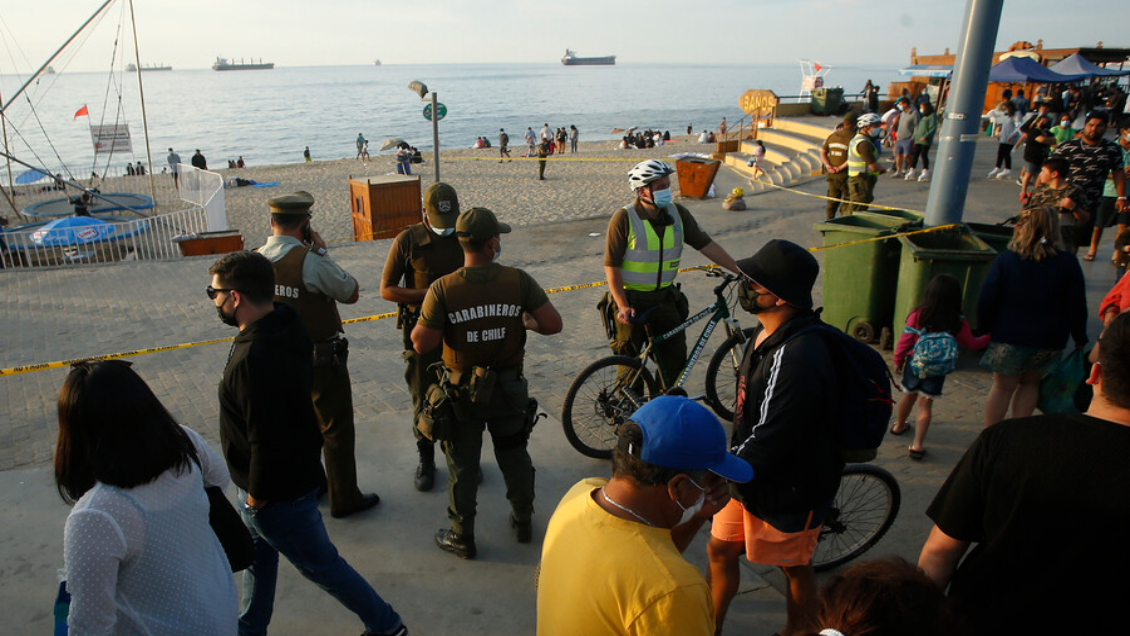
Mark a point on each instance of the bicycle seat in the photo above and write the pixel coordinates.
(641, 316)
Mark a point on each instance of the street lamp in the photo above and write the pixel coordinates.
(421, 89)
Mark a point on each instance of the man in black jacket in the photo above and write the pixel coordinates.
(271, 440)
(787, 394)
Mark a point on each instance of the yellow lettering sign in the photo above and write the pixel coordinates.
(757, 101)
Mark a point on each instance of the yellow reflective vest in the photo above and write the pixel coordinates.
(651, 263)
(857, 165)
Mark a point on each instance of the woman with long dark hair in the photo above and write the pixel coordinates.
(141, 557)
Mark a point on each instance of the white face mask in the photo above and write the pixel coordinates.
(694, 508)
(445, 231)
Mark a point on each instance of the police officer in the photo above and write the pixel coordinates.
(834, 155)
(641, 258)
(863, 162)
(310, 281)
(481, 313)
(419, 256)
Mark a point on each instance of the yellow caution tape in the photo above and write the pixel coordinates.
(550, 158)
(827, 198)
(44, 366)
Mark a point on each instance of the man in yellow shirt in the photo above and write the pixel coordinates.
(612, 558)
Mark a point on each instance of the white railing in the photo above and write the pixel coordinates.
(141, 239)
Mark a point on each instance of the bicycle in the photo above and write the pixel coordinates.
(863, 511)
(606, 393)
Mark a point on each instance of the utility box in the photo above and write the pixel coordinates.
(381, 207)
(696, 175)
(206, 243)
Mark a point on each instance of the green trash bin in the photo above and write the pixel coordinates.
(996, 236)
(820, 102)
(909, 217)
(958, 252)
(860, 280)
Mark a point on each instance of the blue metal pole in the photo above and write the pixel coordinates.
(962, 125)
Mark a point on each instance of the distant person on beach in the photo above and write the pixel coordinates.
(306, 155)
(174, 167)
(703, 137)
(756, 156)
(641, 255)
(871, 97)
(403, 159)
(531, 139)
(1019, 474)
(543, 152)
(239, 163)
(546, 133)
(863, 162)
(140, 169)
(562, 137)
(420, 255)
(722, 128)
(503, 145)
(198, 161)
(360, 145)
(574, 136)
(834, 155)
(365, 152)
(129, 170)
(690, 129)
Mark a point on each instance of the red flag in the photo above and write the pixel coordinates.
(818, 67)
(82, 112)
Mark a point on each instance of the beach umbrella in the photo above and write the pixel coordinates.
(73, 230)
(630, 130)
(391, 143)
(616, 131)
(30, 176)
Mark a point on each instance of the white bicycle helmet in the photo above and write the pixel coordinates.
(645, 172)
(867, 119)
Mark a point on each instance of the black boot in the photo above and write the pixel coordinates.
(426, 469)
(461, 545)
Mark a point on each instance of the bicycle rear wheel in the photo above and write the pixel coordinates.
(722, 374)
(864, 509)
(602, 397)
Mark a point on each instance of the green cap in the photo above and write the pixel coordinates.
(442, 205)
(294, 203)
(479, 224)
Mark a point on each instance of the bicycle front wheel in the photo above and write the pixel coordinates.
(722, 374)
(602, 397)
(864, 509)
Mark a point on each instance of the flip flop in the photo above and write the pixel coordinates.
(916, 454)
(901, 432)
(1088, 257)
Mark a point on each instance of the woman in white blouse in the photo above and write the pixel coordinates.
(140, 555)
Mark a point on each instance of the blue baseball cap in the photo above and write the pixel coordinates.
(682, 434)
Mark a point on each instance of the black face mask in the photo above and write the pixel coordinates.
(747, 298)
(226, 319)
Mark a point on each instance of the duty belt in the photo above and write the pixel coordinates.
(504, 375)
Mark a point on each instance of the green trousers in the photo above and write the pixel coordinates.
(837, 189)
(670, 356)
(333, 402)
(505, 417)
(861, 191)
(419, 376)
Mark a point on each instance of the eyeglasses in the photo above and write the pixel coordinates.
(212, 291)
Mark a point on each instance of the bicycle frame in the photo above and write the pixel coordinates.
(721, 313)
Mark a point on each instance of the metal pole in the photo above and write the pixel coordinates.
(11, 181)
(141, 92)
(435, 131)
(962, 125)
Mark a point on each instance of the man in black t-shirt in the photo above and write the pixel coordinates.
(1046, 500)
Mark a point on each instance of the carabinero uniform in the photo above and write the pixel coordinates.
(861, 181)
(312, 282)
(836, 149)
(648, 253)
(418, 258)
(479, 311)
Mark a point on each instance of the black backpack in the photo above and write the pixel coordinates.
(865, 388)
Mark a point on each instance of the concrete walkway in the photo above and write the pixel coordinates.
(62, 314)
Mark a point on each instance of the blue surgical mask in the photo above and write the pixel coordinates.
(662, 198)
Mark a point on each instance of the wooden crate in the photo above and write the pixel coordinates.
(212, 243)
(383, 206)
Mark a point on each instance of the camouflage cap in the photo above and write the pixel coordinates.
(294, 203)
(479, 224)
(442, 205)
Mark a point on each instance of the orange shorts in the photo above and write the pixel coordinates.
(763, 543)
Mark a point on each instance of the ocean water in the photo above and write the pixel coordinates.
(268, 117)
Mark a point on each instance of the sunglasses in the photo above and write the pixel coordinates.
(212, 291)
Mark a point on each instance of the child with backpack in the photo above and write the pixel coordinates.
(927, 352)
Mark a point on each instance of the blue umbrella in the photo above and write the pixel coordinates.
(30, 176)
(73, 230)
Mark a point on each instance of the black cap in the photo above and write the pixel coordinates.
(785, 269)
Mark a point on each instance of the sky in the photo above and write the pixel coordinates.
(343, 32)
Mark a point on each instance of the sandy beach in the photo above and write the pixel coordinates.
(591, 183)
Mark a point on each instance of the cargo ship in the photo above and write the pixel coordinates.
(222, 64)
(571, 59)
(147, 67)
